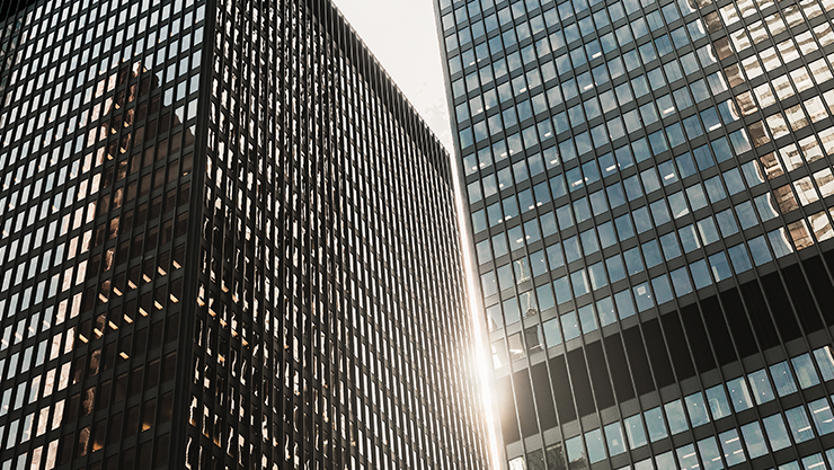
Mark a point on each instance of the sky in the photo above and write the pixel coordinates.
(402, 35)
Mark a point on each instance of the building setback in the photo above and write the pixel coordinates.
(650, 194)
(227, 241)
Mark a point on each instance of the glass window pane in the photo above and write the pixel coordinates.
(822, 416)
(813, 462)
(805, 372)
(665, 460)
(655, 423)
(676, 416)
(783, 378)
(552, 332)
(718, 404)
(635, 432)
(570, 326)
(709, 454)
(697, 410)
(587, 319)
(517, 464)
(596, 450)
(825, 361)
(799, 424)
(731, 445)
(739, 394)
(777, 434)
(614, 439)
(688, 458)
(754, 439)
(760, 384)
(576, 453)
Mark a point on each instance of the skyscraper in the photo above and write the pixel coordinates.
(228, 241)
(649, 187)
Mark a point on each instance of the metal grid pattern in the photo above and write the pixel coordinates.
(331, 326)
(98, 121)
(649, 186)
(302, 307)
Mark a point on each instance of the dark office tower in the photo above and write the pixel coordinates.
(650, 189)
(226, 241)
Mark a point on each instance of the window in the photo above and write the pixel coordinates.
(709, 454)
(760, 383)
(635, 432)
(687, 457)
(776, 433)
(655, 424)
(576, 452)
(697, 410)
(783, 379)
(739, 394)
(805, 372)
(754, 439)
(587, 319)
(552, 333)
(676, 416)
(717, 399)
(614, 439)
(822, 416)
(596, 449)
(731, 445)
(801, 429)
(825, 362)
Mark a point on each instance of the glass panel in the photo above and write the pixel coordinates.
(697, 410)
(614, 439)
(739, 394)
(799, 424)
(576, 453)
(825, 362)
(518, 464)
(709, 454)
(760, 384)
(805, 371)
(754, 438)
(783, 378)
(596, 449)
(688, 458)
(635, 432)
(718, 404)
(777, 434)
(731, 445)
(822, 416)
(655, 423)
(676, 416)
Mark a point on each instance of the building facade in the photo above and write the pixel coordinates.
(228, 241)
(649, 187)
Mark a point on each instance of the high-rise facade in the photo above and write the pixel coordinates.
(227, 241)
(649, 188)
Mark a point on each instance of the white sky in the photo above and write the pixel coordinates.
(402, 34)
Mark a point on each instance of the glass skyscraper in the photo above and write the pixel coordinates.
(226, 241)
(650, 193)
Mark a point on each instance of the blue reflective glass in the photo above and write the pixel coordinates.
(697, 409)
(614, 439)
(783, 379)
(754, 439)
(777, 434)
(718, 404)
(655, 424)
(635, 432)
